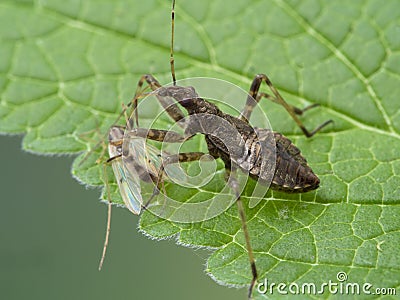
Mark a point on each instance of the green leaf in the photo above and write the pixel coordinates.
(65, 69)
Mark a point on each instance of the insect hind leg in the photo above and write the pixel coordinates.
(255, 96)
(232, 181)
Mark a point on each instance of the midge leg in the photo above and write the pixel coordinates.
(231, 179)
(108, 230)
(255, 96)
(115, 143)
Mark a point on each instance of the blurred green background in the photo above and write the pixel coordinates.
(52, 231)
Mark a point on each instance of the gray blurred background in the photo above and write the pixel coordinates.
(52, 231)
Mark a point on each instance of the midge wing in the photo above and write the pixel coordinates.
(142, 163)
(138, 169)
(129, 186)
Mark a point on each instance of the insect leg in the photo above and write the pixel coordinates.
(173, 159)
(254, 97)
(250, 104)
(234, 185)
(158, 135)
(108, 230)
(168, 104)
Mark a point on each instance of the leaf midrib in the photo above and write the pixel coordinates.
(341, 56)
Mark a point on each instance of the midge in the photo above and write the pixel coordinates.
(250, 150)
(133, 162)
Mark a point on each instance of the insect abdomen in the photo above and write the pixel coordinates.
(292, 173)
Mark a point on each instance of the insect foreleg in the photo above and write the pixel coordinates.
(167, 103)
(157, 135)
(173, 159)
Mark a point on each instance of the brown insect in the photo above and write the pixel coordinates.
(265, 155)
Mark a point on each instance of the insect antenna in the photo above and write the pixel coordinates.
(171, 59)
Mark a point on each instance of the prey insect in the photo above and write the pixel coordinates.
(249, 149)
(134, 162)
(128, 177)
(143, 164)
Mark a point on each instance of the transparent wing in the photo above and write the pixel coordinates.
(142, 162)
(129, 187)
(138, 169)
(128, 184)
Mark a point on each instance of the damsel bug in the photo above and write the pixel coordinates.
(263, 154)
